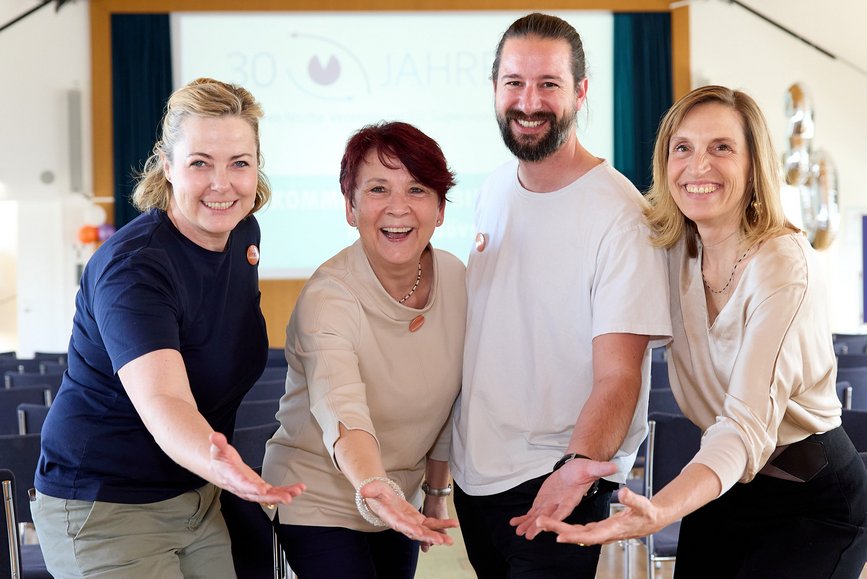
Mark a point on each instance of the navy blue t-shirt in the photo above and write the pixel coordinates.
(150, 288)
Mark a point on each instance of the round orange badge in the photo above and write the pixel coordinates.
(252, 255)
(481, 242)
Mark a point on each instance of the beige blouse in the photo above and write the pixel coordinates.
(353, 360)
(763, 373)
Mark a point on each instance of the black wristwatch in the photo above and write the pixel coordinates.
(568, 457)
(594, 488)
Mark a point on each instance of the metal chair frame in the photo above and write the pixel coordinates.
(11, 525)
(652, 558)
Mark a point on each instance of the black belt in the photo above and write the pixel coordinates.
(805, 459)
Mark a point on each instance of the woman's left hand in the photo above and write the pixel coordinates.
(232, 474)
(401, 516)
(639, 518)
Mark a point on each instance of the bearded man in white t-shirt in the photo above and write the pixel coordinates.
(566, 296)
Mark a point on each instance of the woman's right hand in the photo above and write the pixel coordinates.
(401, 516)
(639, 518)
(232, 474)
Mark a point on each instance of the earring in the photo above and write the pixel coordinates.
(352, 223)
(439, 222)
(756, 206)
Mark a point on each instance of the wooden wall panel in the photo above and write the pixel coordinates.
(680, 61)
(278, 301)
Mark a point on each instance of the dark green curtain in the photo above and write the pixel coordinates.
(141, 69)
(642, 89)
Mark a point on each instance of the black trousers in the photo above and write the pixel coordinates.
(338, 553)
(496, 552)
(772, 528)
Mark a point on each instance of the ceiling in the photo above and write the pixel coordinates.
(835, 26)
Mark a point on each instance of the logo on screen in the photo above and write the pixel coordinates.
(323, 74)
(325, 69)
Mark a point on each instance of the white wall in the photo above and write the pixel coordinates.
(8, 276)
(41, 58)
(731, 47)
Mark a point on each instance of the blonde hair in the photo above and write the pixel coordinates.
(668, 224)
(203, 97)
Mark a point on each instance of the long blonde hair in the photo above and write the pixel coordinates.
(203, 97)
(759, 221)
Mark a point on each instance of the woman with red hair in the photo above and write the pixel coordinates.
(374, 348)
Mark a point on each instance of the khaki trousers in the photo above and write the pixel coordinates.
(182, 537)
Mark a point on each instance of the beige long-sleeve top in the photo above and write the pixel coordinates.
(353, 360)
(763, 374)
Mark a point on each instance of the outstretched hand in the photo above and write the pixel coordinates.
(232, 474)
(401, 516)
(639, 518)
(561, 492)
(434, 508)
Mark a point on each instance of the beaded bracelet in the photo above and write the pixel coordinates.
(362, 505)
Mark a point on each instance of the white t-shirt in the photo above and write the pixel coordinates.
(557, 270)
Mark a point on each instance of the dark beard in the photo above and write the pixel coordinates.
(557, 134)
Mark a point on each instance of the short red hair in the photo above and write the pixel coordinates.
(396, 142)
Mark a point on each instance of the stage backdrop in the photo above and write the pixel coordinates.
(321, 76)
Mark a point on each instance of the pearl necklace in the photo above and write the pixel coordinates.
(414, 286)
(731, 275)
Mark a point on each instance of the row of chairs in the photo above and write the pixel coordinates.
(47, 356)
(25, 399)
(255, 550)
(18, 457)
(14, 379)
(851, 380)
(277, 358)
(852, 385)
(849, 344)
(29, 386)
(40, 363)
(22, 410)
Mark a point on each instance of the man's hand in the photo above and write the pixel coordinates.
(561, 492)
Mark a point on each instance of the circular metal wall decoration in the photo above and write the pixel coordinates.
(812, 172)
(823, 202)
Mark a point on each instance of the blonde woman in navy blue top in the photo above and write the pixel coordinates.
(167, 338)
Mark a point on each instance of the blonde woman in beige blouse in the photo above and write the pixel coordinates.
(374, 349)
(776, 489)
